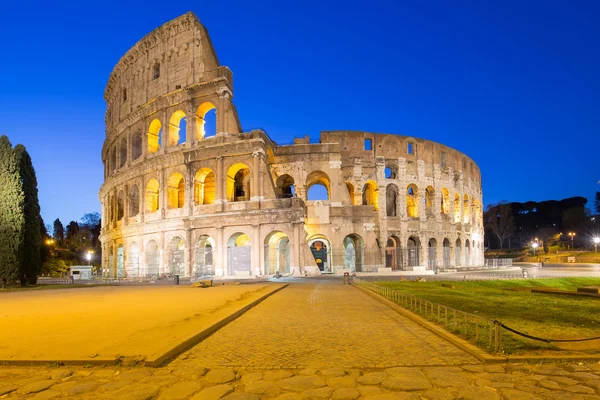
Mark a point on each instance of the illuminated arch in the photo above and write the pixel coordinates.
(177, 256)
(154, 136)
(238, 182)
(175, 191)
(391, 198)
(317, 178)
(201, 119)
(353, 252)
(177, 132)
(456, 208)
(412, 201)
(239, 253)
(429, 199)
(152, 264)
(467, 210)
(134, 201)
(152, 191)
(205, 247)
(285, 187)
(277, 253)
(350, 188)
(204, 186)
(445, 201)
(370, 195)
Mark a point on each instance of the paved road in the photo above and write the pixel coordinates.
(319, 323)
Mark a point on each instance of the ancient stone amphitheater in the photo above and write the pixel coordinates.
(188, 192)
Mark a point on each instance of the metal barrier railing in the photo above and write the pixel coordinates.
(482, 332)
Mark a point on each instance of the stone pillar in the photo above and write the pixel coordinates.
(189, 190)
(256, 250)
(221, 267)
(220, 190)
(189, 268)
(258, 176)
(295, 259)
(141, 257)
(190, 126)
(162, 193)
(126, 205)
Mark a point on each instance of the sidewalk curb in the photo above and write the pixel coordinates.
(187, 344)
(458, 342)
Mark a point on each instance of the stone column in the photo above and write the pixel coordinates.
(189, 190)
(126, 205)
(221, 267)
(256, 250)
(257, 181)
(141, 256)
(189, 247)
(162, 193)
(190, 126)
(220, 182)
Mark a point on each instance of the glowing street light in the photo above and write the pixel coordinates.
(596, 241)
(572, 234)
(88, 256)
(535, 246)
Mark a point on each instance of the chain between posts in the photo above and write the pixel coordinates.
(464, 324)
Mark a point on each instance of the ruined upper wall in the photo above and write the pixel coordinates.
(176, 55)
(395, 146)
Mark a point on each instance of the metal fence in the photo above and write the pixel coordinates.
(482, 332)
(498, 262)
(369, 259)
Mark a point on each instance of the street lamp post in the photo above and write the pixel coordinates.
(596, 241)
(535, 246)
(572, 234)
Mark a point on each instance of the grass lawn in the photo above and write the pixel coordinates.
(542, 315)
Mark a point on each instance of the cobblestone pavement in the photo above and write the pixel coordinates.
(322, 323)
(477, 382)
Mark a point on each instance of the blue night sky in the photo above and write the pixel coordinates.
(513, 84)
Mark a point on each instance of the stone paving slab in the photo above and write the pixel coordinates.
(323, 324)
(476, 382)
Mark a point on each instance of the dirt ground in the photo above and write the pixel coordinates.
(107, 322)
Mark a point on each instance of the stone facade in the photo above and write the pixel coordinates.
(177, 200)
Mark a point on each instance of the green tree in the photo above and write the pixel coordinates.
(29, 253)
(12, 218)
(59, 231)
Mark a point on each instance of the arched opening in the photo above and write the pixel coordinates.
(177, 128)
(350, 188)
(457, 261)
(175, 191)
(432, 256)
(429, 199)
(475, 214)
(204, 186)
(353, 253)
(113, 159)
(445, 201)
(120, 205)
(206, 118)
(391, 171)
(277, 253)
(112, 216)
(285, 187)
(391, 198)
(120, 261)
(154, 136)
(177, 256)
(317, 186)
(467, 210)
(111, 262)
(412, 196)
(152, 196)
(133, 261)
(122, 152)
(413, 252)
(446, 255)
(393, 254)
(321, 251)
(152, 265)
(134, 201)
(467, 253)
(370, 195)
(136, 145)
(204, 257)
(238, 182)
(456, 208)
(239, 254)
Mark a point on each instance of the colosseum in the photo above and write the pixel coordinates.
(189, 192)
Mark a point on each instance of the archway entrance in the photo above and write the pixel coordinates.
(457, 262)
(204, 257)
(413, 251)
(353, 253)
(111, 265)
(393, 254)
(446, 256)
(152, 259)
(467, 253)
(120, 261)
(321, 251)
(133, 261)
(177, 256)
(432, 259)
(277, 253)
(239, 254)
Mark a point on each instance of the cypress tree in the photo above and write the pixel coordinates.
(29, 252)
(59, 231)
(12, 218)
